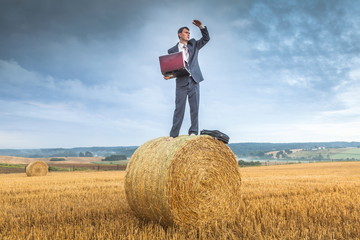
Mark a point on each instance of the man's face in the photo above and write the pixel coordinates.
(184, 35)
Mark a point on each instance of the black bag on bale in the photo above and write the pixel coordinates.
(216, 134)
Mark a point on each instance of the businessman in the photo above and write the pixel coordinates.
(187, 87)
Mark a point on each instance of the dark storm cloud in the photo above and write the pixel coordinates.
(81, 18)
(54, 36)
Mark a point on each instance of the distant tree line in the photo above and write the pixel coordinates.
(57, 159)
(256, 155)
(243, 163)
(86, 154)
(116, 157)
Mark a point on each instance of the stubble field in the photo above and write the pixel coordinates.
(300, 201)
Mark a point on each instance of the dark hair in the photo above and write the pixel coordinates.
(181, 29)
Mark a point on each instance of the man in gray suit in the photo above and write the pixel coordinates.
(188, 86)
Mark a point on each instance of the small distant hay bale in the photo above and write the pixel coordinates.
(37, 168)
(188, 181)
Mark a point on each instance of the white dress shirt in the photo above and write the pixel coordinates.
(182, 49)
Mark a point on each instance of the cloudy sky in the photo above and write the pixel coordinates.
(86, 72)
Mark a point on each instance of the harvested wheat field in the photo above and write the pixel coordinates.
(300, 201)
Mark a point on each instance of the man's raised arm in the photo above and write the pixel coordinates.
(204, 32)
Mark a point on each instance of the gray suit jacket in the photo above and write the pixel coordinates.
(193, 66)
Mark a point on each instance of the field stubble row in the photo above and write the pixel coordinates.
(300, 201)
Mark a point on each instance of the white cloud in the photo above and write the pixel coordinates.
(354, 73)
(72, 103)
(346, 94)
(295, 80)
(17, 81)
(348, 98)
(325, 131)
(261, 46)
(299, 132)
(14, 139)
(13, 75)
(241, 23)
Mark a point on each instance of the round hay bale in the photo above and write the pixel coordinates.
(190, 180)
(37, 168)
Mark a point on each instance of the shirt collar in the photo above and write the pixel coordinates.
(182, 45)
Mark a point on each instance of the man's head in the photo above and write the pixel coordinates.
(184, 34)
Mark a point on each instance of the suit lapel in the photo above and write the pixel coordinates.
(174, 49)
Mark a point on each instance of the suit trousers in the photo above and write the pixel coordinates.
(191, 90)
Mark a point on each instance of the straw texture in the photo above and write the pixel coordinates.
(190, 180)
(37, 168)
